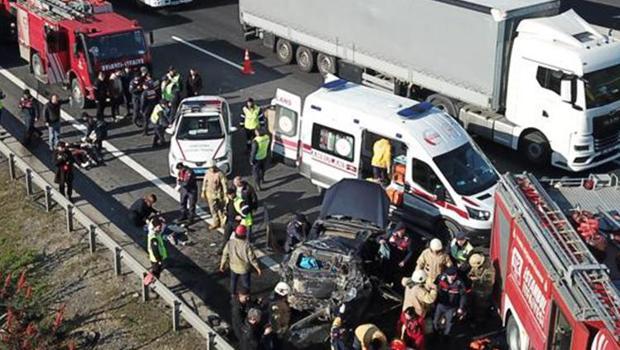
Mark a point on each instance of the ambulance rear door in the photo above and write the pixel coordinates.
(286, 127)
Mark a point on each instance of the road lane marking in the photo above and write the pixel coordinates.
(131, 163)
(207, 52)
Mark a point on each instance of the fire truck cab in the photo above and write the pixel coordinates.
(555, 245)
(70, 41)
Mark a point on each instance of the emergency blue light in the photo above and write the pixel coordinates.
(335, 85)
(415, 110)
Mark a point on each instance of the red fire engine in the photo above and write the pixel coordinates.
(71, 41)
(555, 246)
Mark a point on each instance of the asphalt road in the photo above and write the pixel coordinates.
(213, 26)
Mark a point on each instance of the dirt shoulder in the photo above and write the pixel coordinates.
(62, 271)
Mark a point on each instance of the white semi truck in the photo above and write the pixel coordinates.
(514, 71)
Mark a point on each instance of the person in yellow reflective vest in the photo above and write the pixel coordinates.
(171, 87)
(243, 214)
(381, 159)
(159, 120)
(251, 119)
(258, 156)
(156, 247)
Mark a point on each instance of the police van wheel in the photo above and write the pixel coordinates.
(77, 96)
(305, 59)
(285, 51)
(444, 103)
(535, 147)
(326, 64)
(513, 334)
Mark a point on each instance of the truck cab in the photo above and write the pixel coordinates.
(440, 180)
(563, 94)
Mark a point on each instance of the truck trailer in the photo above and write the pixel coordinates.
(555, 244)
(514, 71)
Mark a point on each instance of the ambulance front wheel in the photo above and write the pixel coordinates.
(513, 334)
(446, 229)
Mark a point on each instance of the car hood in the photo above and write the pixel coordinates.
(357, 199)
(199, 151)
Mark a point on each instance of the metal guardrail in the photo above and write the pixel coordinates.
(120, 256)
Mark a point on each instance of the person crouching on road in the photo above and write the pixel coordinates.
(258, 157)
(187, 185)
(410, 329)
(214, 186)
(369, 337)
(256, 333)
(240, 256)
(159, 118)
(156, 246)
(251, 119)
(142, 209)
(64, 169)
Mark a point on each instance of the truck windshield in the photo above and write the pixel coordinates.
(115, 46)
(466, 170)
(602, 86)
(200, 128)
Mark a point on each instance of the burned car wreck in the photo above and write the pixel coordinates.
(331, 268)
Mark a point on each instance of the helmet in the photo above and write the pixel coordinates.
(210, 163)
(282, 289)
(436, 245)
(418, 276)
(476, 260)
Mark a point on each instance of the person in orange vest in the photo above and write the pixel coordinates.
(381, 159)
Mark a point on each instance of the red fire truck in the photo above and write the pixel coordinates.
(555, 246)
(71, 41)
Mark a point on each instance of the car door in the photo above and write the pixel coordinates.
(287, 126)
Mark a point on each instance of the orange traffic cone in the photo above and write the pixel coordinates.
(247, 64)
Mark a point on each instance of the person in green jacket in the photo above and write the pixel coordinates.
(156, 248)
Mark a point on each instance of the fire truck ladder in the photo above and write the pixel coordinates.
(588, 281)
(71, 10)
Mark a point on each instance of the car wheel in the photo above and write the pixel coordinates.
(305, 59)
(536, 148)
(513, 334)
(326, 64)
(284, 51)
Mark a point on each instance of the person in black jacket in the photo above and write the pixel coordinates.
(193, 84)
(188, 187)
(126, 76)
(102, 94)
(256, 333)
(96, 133)
(64, 170)
(51, 114)
(451, 300)
(30, 114)
(142, 209)
(148, 100)
(135, 91)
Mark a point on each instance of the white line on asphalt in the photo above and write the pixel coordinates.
(130, 162)
(207, 52)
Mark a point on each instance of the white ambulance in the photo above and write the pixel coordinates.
(440, 179)
(202, 130)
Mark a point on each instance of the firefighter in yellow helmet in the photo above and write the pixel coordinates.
(482, 277)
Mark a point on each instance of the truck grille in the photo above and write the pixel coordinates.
(604, 143)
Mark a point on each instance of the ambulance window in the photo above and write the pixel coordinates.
(560, 330)
(333, 142)
(286, 121)
(423, 175)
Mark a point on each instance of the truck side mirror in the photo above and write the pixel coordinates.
(566, 91)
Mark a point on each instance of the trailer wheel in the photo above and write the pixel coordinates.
(535, 147)
(305, 59)
(326, 64)
(284, 51)
(36, 66)
(77, 96)
(513, 334)
(444, 103)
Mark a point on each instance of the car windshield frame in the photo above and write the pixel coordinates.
(184, 135)
(597, 85)
(110, 47)
(462, 178)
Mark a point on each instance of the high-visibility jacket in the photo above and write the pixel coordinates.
(382, 154)
(460, 254)
(263, 146)
(251, 117)
(155, 115)
(163, 252)
(167, 93)
(239, 204)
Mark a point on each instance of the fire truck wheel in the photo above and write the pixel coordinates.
(77, 97)
(305, 59)
(535, 147)
(285, 51)
(513, 334)
(37, 68)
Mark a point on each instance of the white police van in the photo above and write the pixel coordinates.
(446, 181)
(202, 130)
